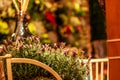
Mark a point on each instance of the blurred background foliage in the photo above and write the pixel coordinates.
(53, 20)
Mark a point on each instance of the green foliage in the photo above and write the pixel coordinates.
(65, 61)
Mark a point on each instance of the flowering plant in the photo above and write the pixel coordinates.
(65, 61)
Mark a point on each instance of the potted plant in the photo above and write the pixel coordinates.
(66, 61)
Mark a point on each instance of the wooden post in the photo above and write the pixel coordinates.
(9, 67)
(113, 34)
(2, 75)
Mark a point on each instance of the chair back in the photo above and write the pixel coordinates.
(10, 60)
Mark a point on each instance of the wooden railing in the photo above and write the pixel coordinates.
(97, 67)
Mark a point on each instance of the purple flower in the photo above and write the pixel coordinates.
(19, 38)
(62, 45)
(83, 52)
(5, 42)
(4, 48)
(74, 53)
(55, 45)
(82, 63)
(42, 48)
(30, 38)
(66, 52)
(49, 49)
(21, 46)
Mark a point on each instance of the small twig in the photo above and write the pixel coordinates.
(19, 1)
(22, 2)
(16, 6)
(25, 5)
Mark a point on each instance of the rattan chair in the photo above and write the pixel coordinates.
(10, 60)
